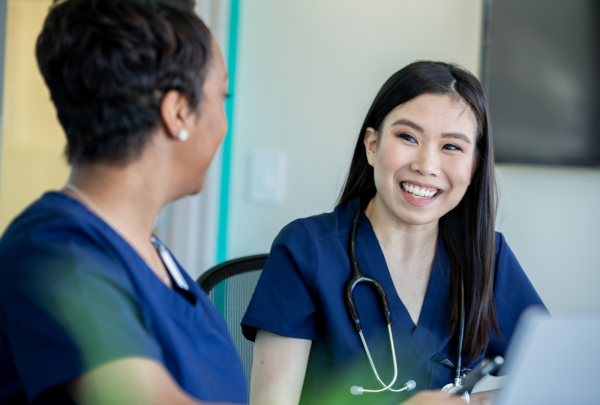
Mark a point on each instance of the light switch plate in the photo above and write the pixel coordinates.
(267, 176)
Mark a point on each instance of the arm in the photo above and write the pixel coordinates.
(75, 328)
(278, 369)
(129, 381)
(434, 398)
(483, 397)
(280, 364)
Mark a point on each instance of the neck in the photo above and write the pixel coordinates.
(130, 196)
(405, 243)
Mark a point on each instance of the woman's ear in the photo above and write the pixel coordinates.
(370, 140)
(174, 110)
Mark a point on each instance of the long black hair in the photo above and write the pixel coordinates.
(468, 229)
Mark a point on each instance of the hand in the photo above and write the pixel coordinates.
(434, 398)
(483, 397)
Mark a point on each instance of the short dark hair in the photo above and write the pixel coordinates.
(108, 64)
(468, 230)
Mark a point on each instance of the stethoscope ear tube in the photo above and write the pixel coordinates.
(359, 277)
(382, 295)
(352, 307)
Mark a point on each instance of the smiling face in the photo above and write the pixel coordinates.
(423, 158)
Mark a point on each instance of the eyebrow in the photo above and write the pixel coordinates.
(408, 123)
(415, 126)
(456, 135)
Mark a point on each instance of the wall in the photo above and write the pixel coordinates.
(32, 139)
(551, 219)
(307, 73)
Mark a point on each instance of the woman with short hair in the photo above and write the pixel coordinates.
(93, 308)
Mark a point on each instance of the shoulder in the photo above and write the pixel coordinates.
(304, 237)
(511, 283)
(53, 239)
(505, 262)
(504, 258)
(499, 242)
(513, 293)
(285, 301)
(297, 250)
(318, 228)
(53, 217)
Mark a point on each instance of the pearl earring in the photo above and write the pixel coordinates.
(183, 135)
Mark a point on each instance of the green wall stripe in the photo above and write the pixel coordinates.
(227, 143)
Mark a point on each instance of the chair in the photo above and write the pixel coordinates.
(230, 286)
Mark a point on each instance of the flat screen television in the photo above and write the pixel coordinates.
(541, 71)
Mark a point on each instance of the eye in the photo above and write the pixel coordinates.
(407, 137)
(451, 146)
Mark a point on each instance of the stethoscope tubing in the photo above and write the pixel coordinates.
(389, 386)
(358, 277)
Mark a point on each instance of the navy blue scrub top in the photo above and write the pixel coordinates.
(74, 296)
(301, 294)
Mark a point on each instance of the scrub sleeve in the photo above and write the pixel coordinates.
(64, 313)
(74, 295)
(513, 294)
(284, 301)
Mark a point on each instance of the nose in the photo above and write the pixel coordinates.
(426, 163)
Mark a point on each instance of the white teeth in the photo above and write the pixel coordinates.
(419, 192)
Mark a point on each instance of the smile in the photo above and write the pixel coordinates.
(419, 192)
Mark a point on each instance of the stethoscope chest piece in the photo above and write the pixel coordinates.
(453, 387)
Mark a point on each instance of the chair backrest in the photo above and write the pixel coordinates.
(230, 286)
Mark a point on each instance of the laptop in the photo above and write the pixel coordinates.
(553, 361)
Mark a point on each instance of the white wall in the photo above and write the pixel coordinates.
(308, 71)
(551, 220)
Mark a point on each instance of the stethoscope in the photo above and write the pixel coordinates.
(359, 277)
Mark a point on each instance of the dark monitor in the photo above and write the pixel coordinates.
(541, 70)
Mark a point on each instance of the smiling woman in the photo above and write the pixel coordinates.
(442, 103)
(423, 175)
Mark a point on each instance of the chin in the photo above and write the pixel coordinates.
(196, 187)
(418, 219)
(421, 222)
